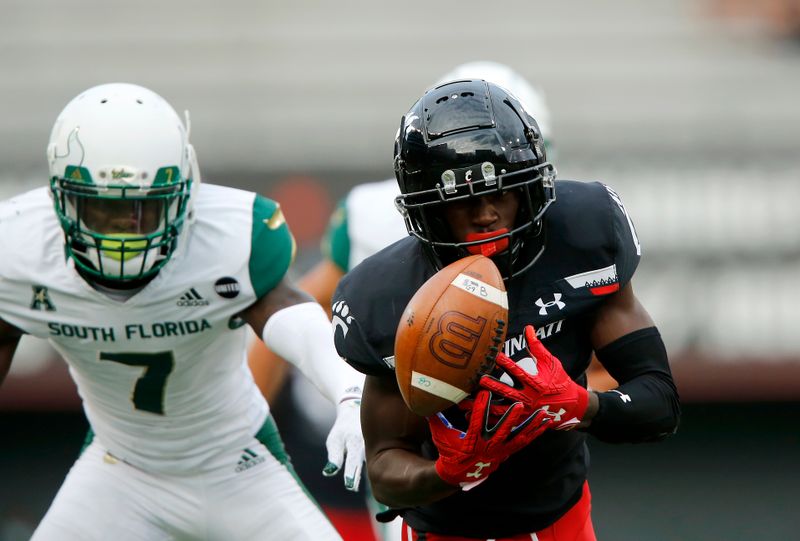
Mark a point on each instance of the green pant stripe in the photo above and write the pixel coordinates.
(87, 441)
(271, 438)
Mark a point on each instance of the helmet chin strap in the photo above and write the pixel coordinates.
(489, 248)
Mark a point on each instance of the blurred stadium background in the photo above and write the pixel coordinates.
(690, 109)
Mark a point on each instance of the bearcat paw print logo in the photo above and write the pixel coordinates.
(341, 317)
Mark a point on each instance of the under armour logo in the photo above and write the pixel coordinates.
(479, 468)
(341, 317)
(556, 416)
(543, 306)
(622, 396)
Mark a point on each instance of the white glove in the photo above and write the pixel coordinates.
(345, 439)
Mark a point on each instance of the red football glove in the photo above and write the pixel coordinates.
(497, 408)
(467, 458)
(550, 390)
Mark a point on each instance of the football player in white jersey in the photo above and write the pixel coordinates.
(367, 221)
(142, 278)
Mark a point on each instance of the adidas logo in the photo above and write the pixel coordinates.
(192, 298)
(249, 460)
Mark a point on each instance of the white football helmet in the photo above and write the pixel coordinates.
(121, 176)
(531, 97)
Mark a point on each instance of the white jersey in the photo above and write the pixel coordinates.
(163, 376)
(373, 221)
(366, 222)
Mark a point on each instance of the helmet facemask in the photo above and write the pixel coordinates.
(424, 218)
(120, 232)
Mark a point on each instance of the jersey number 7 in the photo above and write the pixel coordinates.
(148, 393)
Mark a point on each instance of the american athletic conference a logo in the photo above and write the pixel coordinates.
(543, 306)
(41, 299)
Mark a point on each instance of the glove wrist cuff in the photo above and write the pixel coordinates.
(351, 393)
(441, 471)
(583, 402)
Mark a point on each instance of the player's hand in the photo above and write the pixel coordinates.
(498, 406)
(346, 444)
(467, 458)
(550, 390)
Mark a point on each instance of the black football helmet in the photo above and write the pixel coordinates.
(466, 139)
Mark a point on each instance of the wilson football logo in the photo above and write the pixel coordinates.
(456, 339)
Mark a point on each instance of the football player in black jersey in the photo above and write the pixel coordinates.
(510, 461)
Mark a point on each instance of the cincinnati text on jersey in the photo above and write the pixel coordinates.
(161, 329)
(518, 343)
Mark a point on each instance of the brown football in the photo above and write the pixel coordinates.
(449, 334)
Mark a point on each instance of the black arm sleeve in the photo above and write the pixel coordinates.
(645, 406)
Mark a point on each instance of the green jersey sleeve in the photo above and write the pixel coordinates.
(272, 247)
(336, 242)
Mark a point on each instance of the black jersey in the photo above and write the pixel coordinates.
(591, 251)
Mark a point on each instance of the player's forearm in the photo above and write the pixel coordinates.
(654, 416)
(400, 478)
(645, 407)
(302, 335)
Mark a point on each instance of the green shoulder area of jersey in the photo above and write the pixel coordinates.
(336, 242)
(272, 247)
